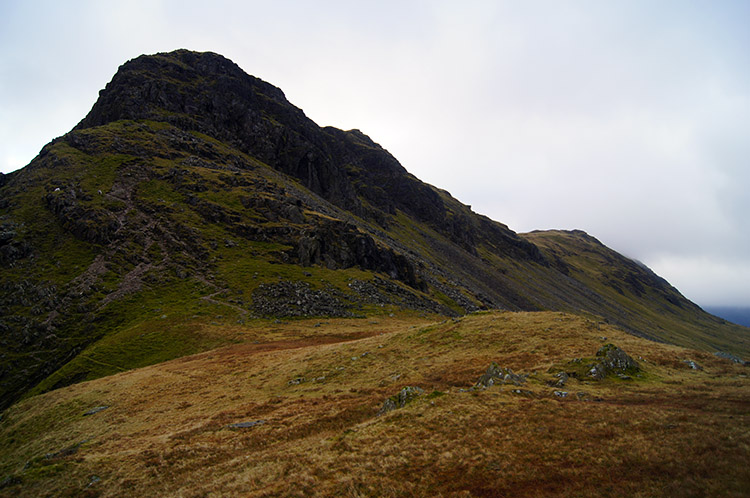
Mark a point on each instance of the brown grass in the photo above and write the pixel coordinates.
(673, 432)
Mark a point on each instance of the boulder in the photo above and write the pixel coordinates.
(405, 396)
(96, 409)
(246, 425)
(612, 360)
(561, 378)
(498, 375)
(615, 358)
(693, 365)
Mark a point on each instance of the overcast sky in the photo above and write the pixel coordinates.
(628, 119)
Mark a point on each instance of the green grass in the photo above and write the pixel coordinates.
(154, 325)
(158, 192)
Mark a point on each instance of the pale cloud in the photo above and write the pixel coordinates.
(706, 280)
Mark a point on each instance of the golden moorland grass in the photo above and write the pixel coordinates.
(315, 392)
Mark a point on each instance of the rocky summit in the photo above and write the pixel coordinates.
(232, 279)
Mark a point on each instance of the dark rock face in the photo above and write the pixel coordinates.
(336, 244)
(381, 291)
(11, 248)
(93, 225)
(208, 93)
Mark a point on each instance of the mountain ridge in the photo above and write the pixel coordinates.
(315, 156)
(192, 191)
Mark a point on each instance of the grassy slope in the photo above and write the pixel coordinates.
(637, 297)
(672, 432)
(595, 281)
(132, 336)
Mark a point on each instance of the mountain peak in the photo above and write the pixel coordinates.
(207, 93)
(185, 87)
(193, 189)
(196, 209)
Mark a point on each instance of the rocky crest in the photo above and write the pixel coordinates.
(206, 92)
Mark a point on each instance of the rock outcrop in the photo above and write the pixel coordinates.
(731, 357)
(612, 360)
(497, 375)
(400, 400)
(210, 94)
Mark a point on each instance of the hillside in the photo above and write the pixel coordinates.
(636, 298)
(194, 204)
(305, 417)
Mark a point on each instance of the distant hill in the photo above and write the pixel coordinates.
(735, 314)
(194, 200)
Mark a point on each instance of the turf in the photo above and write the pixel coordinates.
(317, 387)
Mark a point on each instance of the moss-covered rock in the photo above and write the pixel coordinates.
(613, 360)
